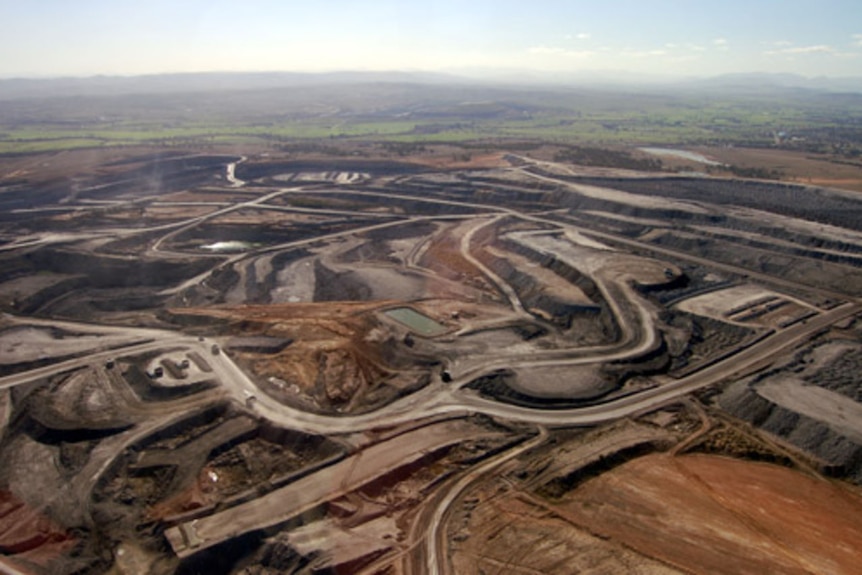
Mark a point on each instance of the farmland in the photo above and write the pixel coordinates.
(403, 112)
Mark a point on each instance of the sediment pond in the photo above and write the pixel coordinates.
(421, 324)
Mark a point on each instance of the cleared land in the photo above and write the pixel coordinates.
(716, 515)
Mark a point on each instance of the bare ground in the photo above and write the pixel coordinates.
(707, 514)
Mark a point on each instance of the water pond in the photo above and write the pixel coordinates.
(683, 154)
(231, 246)
(419, 323)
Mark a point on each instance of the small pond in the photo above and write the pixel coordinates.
(420, 324)
(683, 154)
(232, 246)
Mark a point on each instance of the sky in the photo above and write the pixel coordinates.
(657, 37)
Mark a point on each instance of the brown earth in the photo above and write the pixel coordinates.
(501, 532)
(456, 160)
(47, 166)
(443, 256)
(28, 534)
(712, 515)
(199, 494)
(329, 314)
(803, 167)
(335, 357)
(251, 463)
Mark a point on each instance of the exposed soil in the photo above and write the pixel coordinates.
(25, 533)
(507, 533)
(458, 160)
(707, 514)
(341, 356)
(242, 467)
(814, 169)
(443, 255)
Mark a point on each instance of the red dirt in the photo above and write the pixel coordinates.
(25, 532)
(444, 257)
(330, 350)
(712, 515)
(192, 498)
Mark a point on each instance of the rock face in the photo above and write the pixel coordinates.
(840, 455)
(810, 399)
(258, 344)
(112, 271)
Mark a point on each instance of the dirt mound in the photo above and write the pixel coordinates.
(342, 358)
(840, 455)
(810, 399)
(84, 399)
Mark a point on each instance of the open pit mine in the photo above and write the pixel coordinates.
(258, 365)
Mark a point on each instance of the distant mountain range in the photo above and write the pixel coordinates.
(821, 83)
(202, 82)
(20, 88)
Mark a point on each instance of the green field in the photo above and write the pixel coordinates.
(419, 114)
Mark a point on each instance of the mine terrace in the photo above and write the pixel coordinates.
(262, 364)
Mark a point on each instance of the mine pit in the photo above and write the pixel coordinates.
(218, 458)
(308, 364)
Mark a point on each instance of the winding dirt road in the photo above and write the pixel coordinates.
(613, 274)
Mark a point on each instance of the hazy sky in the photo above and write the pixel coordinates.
(677, 37)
